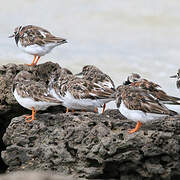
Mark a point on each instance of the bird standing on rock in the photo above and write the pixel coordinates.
(36, 41)
(77, 93)
(153, 88)
(31, 94)
(138, 105)
(100, 79)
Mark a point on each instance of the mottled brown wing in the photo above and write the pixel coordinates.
(137, 99)
(83, 89)
(162, 96)
(145, 84)
(102, 80)
(36, 35)
(157, 93)
(36, 90)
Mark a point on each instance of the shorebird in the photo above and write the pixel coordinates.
(177, 76)
(153, 88)
(96, 76)
(138, 105)
(77, 93)
(36, 41)
(31, 94)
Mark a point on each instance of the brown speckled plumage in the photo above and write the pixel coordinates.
(80, 88)
(26, 86)
(30, 35)
(140, 99)
(95, 75)
(36, 41)
(153, 88)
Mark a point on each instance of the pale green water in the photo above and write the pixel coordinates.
(119, 37)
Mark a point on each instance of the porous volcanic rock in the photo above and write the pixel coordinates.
(92, 145)
(83, 144)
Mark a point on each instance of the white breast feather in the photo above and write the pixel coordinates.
(137, 115)
(89, 104)
(53, 93)
(28, 102)
(36, 49)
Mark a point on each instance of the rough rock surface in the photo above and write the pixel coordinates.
(83, 144)
(94, 146)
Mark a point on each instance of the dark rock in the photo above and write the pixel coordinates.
(94, 146)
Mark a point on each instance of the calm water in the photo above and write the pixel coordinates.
(119, 37)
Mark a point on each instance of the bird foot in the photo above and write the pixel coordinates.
(138, 125)
(131, 131)
(33, 64)
(29, 118)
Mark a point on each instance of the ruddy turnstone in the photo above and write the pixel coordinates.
(138, 105)
(31, 94)
(77, 93)
(178, 79)
(36, 41)
(96, 76)
(153, 88)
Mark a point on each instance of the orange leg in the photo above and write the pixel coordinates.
(67, 110)
(95, 109)
(138, 125)
(37, 60)
(32, 64)
(104, 107)
(73, 110)
(31, 117)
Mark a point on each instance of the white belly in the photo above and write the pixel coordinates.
(37, 50)
(53, 93)
(88, 104)
(137, 115)
(28, 103)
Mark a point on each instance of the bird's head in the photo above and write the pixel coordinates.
(134, 77)
(177, 75)
(86, 69)
(16, 34)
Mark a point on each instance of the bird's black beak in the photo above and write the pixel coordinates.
(79, 74)
(175, 76)
(126, 83)
(11, 36)
(17, 39)
(64, 41)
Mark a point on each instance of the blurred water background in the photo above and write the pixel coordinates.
(119, 37)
